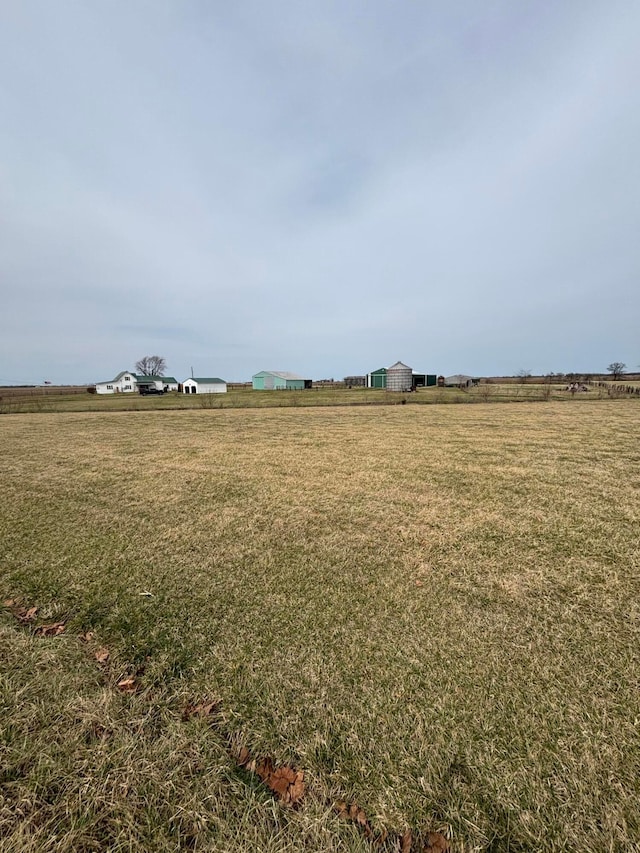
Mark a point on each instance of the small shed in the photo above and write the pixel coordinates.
(204, 385)
(377, 378)
(279, 380)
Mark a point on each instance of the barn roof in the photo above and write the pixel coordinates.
(211, 380)
(283, 374)
(458, 377)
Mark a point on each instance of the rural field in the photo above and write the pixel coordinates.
(393, 628)
(59, 399)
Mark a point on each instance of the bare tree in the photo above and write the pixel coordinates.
(151, 365)
(523, 375)
(616, 369)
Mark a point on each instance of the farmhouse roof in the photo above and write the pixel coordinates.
(118, 377)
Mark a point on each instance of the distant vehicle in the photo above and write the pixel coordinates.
(151, 390)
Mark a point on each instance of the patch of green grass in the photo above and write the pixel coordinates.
(432, 610)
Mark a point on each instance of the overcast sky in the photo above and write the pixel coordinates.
(323, 187)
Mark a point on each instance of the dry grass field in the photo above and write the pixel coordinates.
(431, 612)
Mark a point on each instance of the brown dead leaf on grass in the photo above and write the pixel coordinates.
(25, 614)
(201, 709)
(102, 655)
(50, 630)
(87, 637)
(285, 782)
(355, 813)
(128, 685)
(10, 602)
(406, 842)
(436, 842)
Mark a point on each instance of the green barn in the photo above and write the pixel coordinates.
(377, 378)
(279, 380)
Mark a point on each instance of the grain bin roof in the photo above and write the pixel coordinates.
(400, 366)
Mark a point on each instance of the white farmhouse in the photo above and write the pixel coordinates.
(125, 382)
(199, 385)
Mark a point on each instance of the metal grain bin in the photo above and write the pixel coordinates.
(399, 377)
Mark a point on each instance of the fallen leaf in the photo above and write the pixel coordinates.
(436, 842)
(9, 602)
(102, 655)
(418, 583)
(202, 709)
(286, 783)
(128, 685)
(264, 768)
(357, 815)
(361, 817)
(87, 636)
(406, 841)
(297, 788)
(27, 615)
(279, 784)
(50, 630)
(342, 808)
(244, 756)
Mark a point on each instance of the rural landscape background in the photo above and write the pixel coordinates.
(327, 628)
(338, 619)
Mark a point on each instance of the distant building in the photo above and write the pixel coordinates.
(355, 381)
(400, 380)
(279, 380)
(377, 378)
(459, 380)
(126, 382)
(424, 380)
(199, 385)
(159, 383)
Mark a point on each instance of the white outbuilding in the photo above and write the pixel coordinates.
(199, 385)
